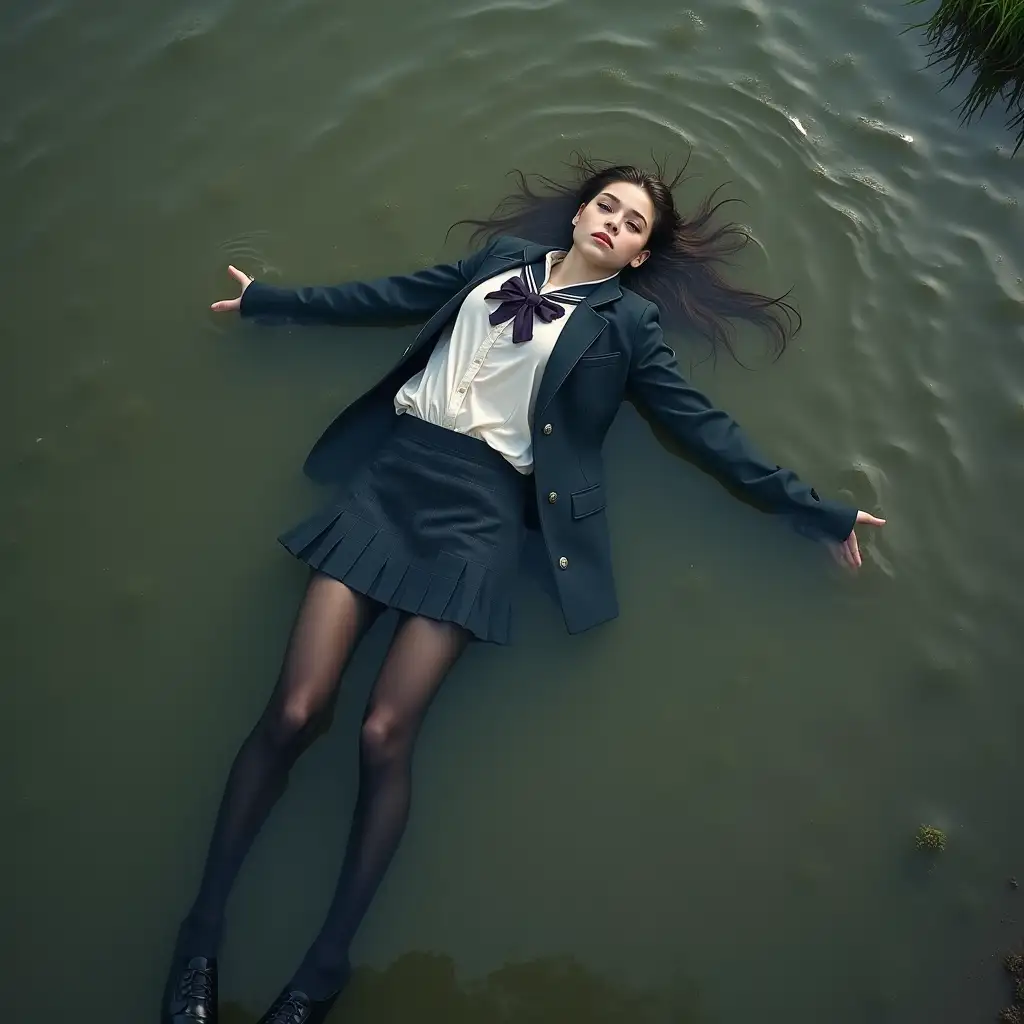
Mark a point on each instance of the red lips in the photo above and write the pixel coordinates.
(604, 238)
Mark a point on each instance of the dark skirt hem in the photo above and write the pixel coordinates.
(372, 539)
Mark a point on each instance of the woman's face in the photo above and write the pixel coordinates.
(613, 228)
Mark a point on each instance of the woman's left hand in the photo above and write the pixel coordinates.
(848, 551)
(234, 305)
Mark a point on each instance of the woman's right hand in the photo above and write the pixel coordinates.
(233, 305)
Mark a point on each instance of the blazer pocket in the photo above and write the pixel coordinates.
(587, 501)
(607, 359)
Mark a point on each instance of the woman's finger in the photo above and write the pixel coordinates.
(847, 555)
(869, 519)
(243, 279)
(855, 559)
(226, 305)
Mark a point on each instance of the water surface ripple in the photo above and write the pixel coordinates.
(716, 794)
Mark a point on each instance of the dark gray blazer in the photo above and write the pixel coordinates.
(612, 343)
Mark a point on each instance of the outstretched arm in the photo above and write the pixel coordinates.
(717, 440)
(420, 294)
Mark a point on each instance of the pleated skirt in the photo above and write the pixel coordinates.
(433, 525)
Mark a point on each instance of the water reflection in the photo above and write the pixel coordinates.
(547, 990)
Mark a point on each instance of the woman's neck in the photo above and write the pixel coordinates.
(575, 268)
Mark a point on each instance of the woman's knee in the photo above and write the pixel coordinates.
(385, 736)
(296, 719)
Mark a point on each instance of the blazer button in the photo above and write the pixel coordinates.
(547, 428)
(553, 497)
(563, 562)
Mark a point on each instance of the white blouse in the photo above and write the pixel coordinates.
(478, 382)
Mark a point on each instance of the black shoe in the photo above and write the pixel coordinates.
(191, 993)
(295, 1007)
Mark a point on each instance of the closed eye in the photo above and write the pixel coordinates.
(631, 224)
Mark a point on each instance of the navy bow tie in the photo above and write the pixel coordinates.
(520, 305)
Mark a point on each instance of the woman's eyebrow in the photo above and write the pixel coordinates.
(635, 213)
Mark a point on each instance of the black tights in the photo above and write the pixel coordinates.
(330, 623)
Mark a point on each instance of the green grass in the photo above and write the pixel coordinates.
(984, 38)
(1014, 1014)
(930, 838)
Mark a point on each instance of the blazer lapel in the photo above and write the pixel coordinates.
(581, 330)
(494, 264)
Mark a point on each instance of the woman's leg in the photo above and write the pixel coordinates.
(417, 661)
(329, 624)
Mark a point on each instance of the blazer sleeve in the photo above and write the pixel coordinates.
(420, 294)
(717, 440)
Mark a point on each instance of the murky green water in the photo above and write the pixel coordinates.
(712, 801)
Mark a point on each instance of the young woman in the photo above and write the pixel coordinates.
(491, 422)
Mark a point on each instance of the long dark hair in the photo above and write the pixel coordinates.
(683, 274)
